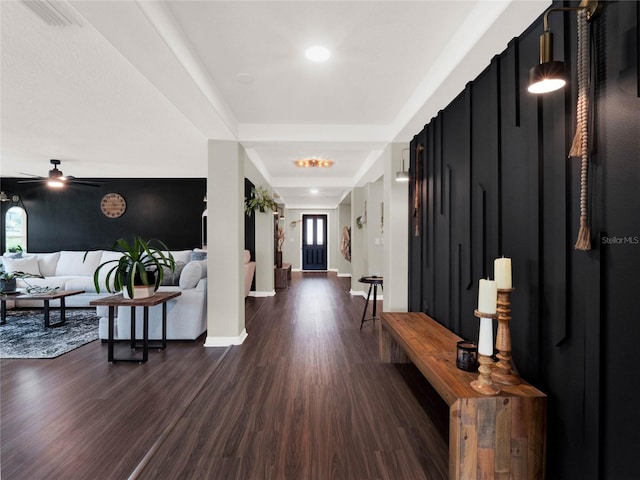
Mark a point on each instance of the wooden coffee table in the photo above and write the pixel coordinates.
(46, 298)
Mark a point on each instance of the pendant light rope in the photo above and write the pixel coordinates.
(580, 145)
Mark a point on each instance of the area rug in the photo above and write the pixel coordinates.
(25, 336)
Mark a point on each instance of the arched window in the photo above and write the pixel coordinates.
(15, 229)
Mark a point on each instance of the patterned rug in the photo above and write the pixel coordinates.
(24, 334)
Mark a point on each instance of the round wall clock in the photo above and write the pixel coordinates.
(113, 205)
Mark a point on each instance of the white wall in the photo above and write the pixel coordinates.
(396, 236)
(344, 220)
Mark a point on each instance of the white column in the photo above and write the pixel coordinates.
(225, 234)
(396, 249)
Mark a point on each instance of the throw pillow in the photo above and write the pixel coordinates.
(198, 255)
(25, 264)
(173, 278)
(190, 276)
(47, 263)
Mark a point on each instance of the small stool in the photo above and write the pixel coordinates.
(373, 282)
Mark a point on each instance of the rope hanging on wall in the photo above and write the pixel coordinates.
(580, 145)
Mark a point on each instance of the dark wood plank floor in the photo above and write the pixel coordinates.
(304, 397)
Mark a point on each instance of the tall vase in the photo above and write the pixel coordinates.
(278, 259)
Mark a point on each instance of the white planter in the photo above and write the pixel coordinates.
(139, 292)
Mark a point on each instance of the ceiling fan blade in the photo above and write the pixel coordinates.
(31, 175)
(33, 180)
(78, 181)
(84, 183)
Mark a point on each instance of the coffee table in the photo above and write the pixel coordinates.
(46, 298)
(158, 298)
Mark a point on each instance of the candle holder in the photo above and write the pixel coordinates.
(484, 384)
(503, 373)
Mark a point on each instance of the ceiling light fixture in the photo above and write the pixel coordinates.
(313, 191)
(550, 75)
(317, 53)
(402, 175)
(313, 162)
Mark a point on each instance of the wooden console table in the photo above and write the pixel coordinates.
(495, 437)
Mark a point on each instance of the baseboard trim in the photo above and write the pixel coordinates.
(356, 293)
(344, 275)
(226, 341)
(262, 294)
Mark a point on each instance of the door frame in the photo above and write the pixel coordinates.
(328, 228)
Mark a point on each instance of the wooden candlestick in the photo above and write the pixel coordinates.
(503, 373)
(484, 384)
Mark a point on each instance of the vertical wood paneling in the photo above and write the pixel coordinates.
(569, 307)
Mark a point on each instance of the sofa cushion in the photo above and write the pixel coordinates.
(183, 256)
(173, 278)
(192, 273)
(74, 263)
(247, 256)
(47, 263)
(25, 264)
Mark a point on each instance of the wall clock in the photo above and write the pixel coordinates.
(113, 205)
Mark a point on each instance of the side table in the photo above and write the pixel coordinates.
(159, 298)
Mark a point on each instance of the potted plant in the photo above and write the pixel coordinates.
(260, 199)
(139, 271)
(7, 282)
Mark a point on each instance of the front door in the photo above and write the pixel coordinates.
(314, 242)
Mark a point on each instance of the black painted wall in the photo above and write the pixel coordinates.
(70, 219)
(494, 179)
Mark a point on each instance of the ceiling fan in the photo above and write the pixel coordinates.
(57, 179)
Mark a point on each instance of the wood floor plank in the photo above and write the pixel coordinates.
(304, 397)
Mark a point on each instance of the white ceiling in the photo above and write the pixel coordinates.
(135, 89)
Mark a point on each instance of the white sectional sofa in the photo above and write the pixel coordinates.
(68, 270)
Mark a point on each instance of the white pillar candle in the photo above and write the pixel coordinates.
(487, 296)
(502, 272)
(485, 340)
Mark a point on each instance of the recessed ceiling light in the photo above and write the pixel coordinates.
(313, 191)
(317, 53)
(245, 78)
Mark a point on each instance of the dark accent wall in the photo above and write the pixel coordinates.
(494, 179)
(250, 228)
(70, 219)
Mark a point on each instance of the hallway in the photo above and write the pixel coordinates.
(304, 397)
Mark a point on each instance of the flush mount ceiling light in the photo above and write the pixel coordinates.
(313, 162)
(402, 175)
(317, 53)
(314, 191)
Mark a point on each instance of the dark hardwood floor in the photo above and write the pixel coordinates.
(305, 397)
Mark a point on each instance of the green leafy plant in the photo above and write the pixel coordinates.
(260, 199)
(140, 264)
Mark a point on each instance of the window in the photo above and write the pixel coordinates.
(15, 230)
